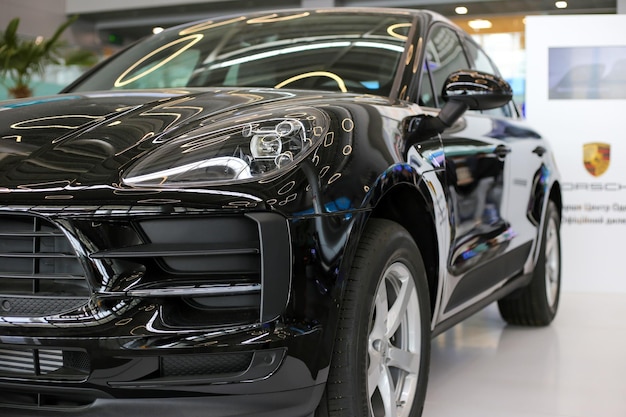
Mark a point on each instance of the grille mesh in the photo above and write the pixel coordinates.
(44, 363)
(39, 271)
(204, 365)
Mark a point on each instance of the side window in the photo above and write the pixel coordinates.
(427, 95)
(479, 59)
(444, 55)
(481, 62)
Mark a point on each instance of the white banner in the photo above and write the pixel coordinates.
(576, 97)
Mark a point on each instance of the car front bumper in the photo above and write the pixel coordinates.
(152, 326)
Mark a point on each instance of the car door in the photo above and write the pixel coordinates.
(480, 255)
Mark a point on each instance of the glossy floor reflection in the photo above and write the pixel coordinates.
(574, 368)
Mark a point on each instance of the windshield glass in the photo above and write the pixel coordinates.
(310, 50)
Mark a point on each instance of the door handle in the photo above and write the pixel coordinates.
(502, 151)
(540, 150)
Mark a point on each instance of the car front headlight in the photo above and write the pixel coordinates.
(231, 150)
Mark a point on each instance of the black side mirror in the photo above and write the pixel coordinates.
(463, 90)
(474, 90)
(478, 90)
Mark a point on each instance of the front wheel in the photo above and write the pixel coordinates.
(382, 349)
(537, 303)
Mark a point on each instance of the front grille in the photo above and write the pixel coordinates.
(205, 260)
(39, 271)
(47, 364)
(205, 365)
(201, 270)
(219, 247)
(216, 249)
(204, 268)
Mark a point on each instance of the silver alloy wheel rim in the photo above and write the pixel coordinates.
(553, 263)
(394, 344)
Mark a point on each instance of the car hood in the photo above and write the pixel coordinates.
(84, 140)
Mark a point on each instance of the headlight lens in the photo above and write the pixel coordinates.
(231, 150)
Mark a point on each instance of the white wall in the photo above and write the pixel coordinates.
(37, 17)
(593, 253)
(93, 6)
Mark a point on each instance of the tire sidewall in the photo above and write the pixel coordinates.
(395, 245)
(540, 271)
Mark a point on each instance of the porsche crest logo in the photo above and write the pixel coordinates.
(597, 157)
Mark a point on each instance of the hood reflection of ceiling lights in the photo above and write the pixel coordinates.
(561, 5)
(477, 24)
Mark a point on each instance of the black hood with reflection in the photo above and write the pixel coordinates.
(79, 147)
(85, 140)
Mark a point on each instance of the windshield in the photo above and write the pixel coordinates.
(310, 50)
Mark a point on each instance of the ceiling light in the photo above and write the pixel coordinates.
(461, 10)
(561, 4)
(477, 24)
(157, 29)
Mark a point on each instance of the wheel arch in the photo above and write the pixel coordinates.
(407, 206)
(555, 196)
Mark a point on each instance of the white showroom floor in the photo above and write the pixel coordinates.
(574, 368)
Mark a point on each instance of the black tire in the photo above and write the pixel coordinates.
(387, 263)
(537, 304)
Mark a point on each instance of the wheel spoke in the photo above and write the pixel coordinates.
(397, 312)
(381, 312)
(373, 374)
(550, 242)
(388, 392)
(551, 254)
(403, 359)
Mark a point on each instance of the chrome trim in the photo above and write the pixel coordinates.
(187, 291)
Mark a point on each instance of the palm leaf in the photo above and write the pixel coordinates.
(20, 58)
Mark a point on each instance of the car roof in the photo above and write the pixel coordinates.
(428, 15)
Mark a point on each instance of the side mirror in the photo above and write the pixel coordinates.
(474, 90)
(463, 90)
(478, 90)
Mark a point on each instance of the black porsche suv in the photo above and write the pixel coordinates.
(267, 215)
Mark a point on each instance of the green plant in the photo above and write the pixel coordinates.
(21, 59)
